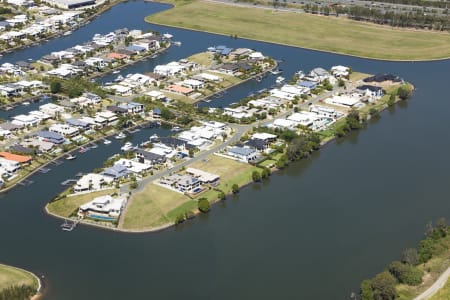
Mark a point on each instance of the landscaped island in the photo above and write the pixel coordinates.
(308, 31)
(17, 284)
(169, 179)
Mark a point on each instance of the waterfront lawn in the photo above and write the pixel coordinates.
(267, 163)
(152, 207)
(230, 172)
(12, 276)
(331, 34)
(68, 205)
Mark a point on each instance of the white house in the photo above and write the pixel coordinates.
(64, 129)
(104, 208)
(92, 182)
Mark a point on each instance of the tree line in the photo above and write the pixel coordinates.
(406, 271)
(17, 292)
(416, 19)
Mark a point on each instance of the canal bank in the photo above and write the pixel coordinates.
(318, 229)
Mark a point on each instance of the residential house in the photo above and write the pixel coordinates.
(242, 154)
(103, 208)
(51, 137)
(116, 172)
(181, 183)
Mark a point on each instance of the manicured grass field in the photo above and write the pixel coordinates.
(304, 30)
(12, 276)
(153, 207)
(66, 206)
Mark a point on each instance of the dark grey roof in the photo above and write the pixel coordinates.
(229, 67)
(52, 136)
(175, 142)
(153, 157)
(371, 88)
(77, 123)
(116, 171)
(21, 149)
(116, 109)
(257, 144)
(382, 77)
(241, 151)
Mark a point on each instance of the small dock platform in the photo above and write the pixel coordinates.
(68, 181)
(69, 225)
(44, 170)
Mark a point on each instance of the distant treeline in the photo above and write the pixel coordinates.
(424, 3)
(415, 19)
(16, 292)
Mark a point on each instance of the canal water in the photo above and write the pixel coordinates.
(313, 232)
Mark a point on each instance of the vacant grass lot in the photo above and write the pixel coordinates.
(150, 207)
(230, 172)
(66, 206)
(156, 206)
(330, 34)
(12, 276)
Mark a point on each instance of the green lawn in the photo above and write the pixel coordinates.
(12, 276)
(203, 58)
(308, 31)
(66, 206)
(230, 172)
(443, 293)
(267, 163)
(156, 206)
(153, 207)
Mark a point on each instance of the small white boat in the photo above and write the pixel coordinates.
(280, 80)
(116, 72)
(119, 78)
(167, 35)
(120, 136)
(154, 137)
(26, 103)
(106, 142)
(276, 72)
(176, 128)
(127, 147)
(71, 157)
(177, 43)
(67, 33)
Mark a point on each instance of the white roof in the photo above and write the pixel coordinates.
(155, 94)
(26, 118)
(284, 123)
(209, 77)
(343, 100)
(264, 136)
(202, 175)
(104, 204)
(256, 55)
